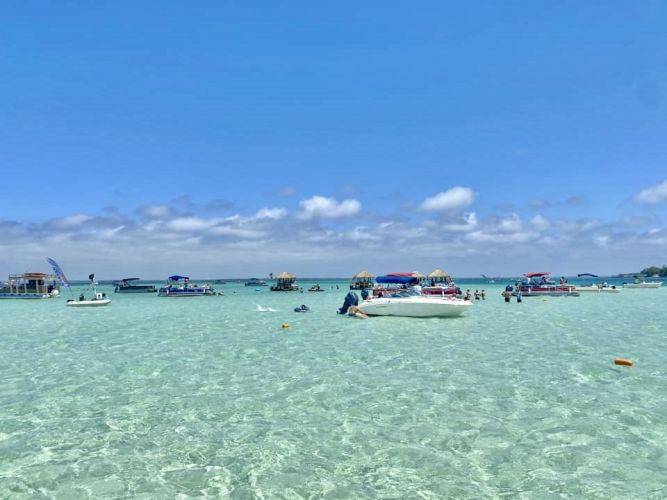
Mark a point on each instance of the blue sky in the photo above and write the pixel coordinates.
(241, 138)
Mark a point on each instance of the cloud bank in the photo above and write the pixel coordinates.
(324, 236)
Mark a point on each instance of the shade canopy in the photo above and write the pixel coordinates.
(286, 276)
(535, 275)
(396, 279)
(363, 274)
(177, 277)
(438, 273)
(129, 279)
(417, 274)
(589, 275)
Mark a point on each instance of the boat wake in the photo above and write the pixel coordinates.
(263, 309)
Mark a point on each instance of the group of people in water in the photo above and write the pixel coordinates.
(477, 295)
(507, 295)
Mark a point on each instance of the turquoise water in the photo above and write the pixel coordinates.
(159, 397)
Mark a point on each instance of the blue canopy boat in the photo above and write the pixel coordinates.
(179, 286)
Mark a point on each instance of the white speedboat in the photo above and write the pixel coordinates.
(643, 284)
(598, 288)
(98, 300)
(415, 306)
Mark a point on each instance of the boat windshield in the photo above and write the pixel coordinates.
(404, 292)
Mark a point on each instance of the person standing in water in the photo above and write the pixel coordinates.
(519, 297)
(507, 294)
(483, 294)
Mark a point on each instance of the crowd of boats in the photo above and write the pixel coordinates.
(410, 294)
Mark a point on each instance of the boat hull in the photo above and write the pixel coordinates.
(654, 284)
(181, 293)
(24, 296)
(532, 293)
(439, 291)
(88, 303)
(547, 291)
(415, 307)
(136, 290)
(596, 289)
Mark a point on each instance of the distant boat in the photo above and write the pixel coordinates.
(29, 286)
(643, 284)
(127, 285)
(285, 282)
(362, 280)
(98, 299)
(316, 288)
(179, 286)
(255, 282)
(602, 287)
(540, 284)
(489, 279)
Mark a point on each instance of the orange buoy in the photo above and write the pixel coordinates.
(623, 362)
(285, 326)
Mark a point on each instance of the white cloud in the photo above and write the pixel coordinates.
(156, 211)
(186, 224)
(602, 240)
(468, 224)
(362, 233)
(328, 208)
(539, 222)
(511, 224)
(653, 195)
(271, 213)
(236, 231)
(452, 199)
(493, 237)
(71, 221)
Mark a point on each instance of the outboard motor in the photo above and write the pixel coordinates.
(351, 299)
(364, 294)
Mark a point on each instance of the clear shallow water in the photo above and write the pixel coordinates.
(157, 397)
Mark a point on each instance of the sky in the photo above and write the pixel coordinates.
(235, 139)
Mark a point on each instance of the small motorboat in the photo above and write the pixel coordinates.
(255, 282)
(98, 300)
(316, 288)
(643, 284)
(302, 309)
(603, 287)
